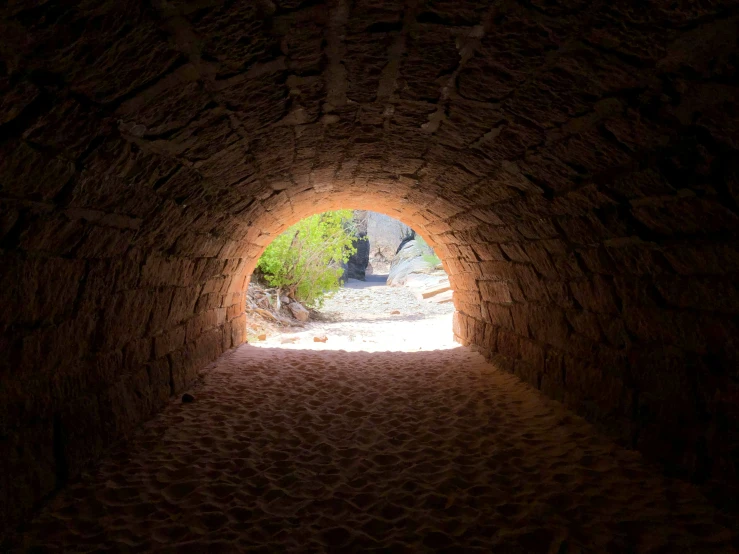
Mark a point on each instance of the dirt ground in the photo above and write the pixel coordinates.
(369, 316)
(388, 437)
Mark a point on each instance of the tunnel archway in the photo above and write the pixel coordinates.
(574, 164)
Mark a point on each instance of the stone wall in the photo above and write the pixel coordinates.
(574, 164)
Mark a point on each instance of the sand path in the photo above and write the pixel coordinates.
(297, 450)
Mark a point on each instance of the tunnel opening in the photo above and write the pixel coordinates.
(350, 280)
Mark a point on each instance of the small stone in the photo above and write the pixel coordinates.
(320, 339)
(262, 337)
(187, 398)
(299, 312)
(395, 312)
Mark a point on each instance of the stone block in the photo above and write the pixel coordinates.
(183, 304)
(681, 216)
(594, 393)
(702, 258)
(161, 303)
(548, 324)
(131, 310)
(136, 353)
(27, 173)
(596, 294)
(499, 315)
(169, 341)
(712, 294)
(497, 292)
(585, 323)
(200, 323)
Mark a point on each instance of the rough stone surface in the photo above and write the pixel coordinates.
(434, 289)
(409, 267)
(384, 234)
(356, 265)
(298, 311)
(573, 164)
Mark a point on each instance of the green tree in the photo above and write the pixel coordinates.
(306, 259)
(429, 256)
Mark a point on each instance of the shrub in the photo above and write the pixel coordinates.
(429, 256)
(306, 259)
(431, 259)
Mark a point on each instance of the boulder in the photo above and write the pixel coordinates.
(298, 311)
(414, 267)
(356, 265)
(407, 261)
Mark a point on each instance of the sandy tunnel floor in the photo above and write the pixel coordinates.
(307, 451)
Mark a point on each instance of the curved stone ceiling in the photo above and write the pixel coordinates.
(573, 162)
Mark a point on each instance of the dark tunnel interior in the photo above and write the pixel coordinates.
(574, 164)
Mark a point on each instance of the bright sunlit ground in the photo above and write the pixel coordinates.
(371, 317)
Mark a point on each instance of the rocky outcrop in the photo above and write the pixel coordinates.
(355, 267)
(385, 234)
(409, 261)
(413, 267)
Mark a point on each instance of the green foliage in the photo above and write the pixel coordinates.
(429, 257)
(306, 258)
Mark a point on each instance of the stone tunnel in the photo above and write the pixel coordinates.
(574, 164)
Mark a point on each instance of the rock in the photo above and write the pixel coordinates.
(409, 260)
(413, 267)
(356, 265)
(403, 242)
(443, 298)
(188, 398)
(285, 299)
(385, 234)
(395, 312)
(262, 337)
(320, 339)
(298, 311)
(433, 289)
